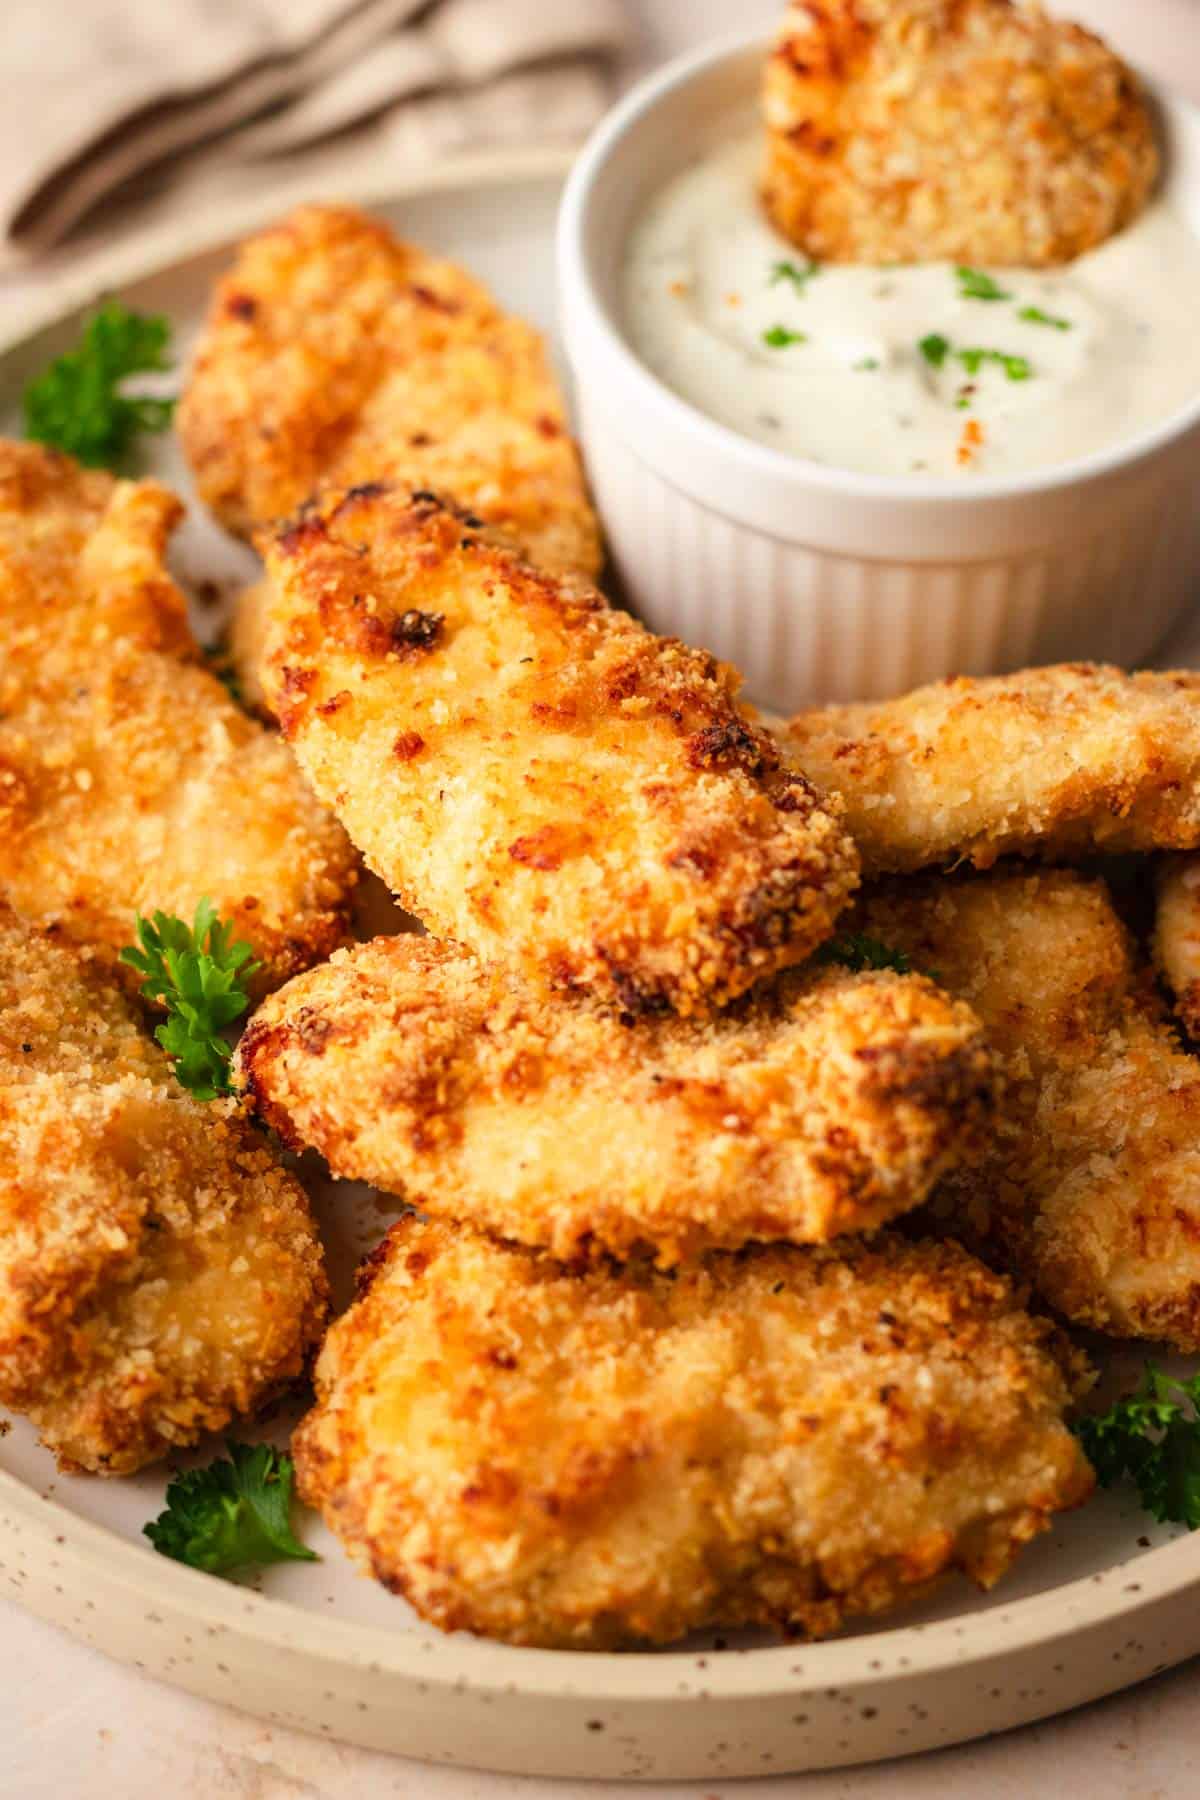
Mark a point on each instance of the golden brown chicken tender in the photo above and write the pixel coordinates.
(1054, 762)
(911, 130)
(787, 1438)
(1177, 935)
(535, 775)
(830, 1103)
(128, 778)
(160, 1274)
(1092, 1190)
(336, 353)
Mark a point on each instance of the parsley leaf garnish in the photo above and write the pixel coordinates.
(866, 362)
(1152, 1437)
(1035, 316)
(234, 1514)
(76, 405)
(779, 337)
(793, 272)
(197, 974)
(973, 284)
(858, 951)
(935, 349)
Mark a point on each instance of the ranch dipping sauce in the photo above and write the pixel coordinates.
(917, 370)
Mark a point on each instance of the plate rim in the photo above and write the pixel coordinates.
(635, 1679)
(265, 1623)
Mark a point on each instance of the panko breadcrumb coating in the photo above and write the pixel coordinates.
(1056, 762)
(826, 1104)
(1177, 935)
(535, 775)
(1092, 1190)
(787, 1438)
(129, 780)
(975, 130)
(160, 1274)
(336, 353)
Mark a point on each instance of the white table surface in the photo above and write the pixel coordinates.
(75, 1726)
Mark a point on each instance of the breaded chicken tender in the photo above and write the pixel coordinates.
(788, 1438)
(1055, 762)
(128, 778)
(975, 130)
(1092, 1191)
(1177, 935)
(336, 353)
(535, 775)
(829, 1103)
(160, 1274)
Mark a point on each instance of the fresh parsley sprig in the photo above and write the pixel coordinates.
(77, 405)
(857, 951)
(1152, 1437)
(198, 975)
(235, 1514)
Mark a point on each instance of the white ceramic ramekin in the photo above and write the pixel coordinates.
(823, 584)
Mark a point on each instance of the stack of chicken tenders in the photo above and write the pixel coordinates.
(766, 1099)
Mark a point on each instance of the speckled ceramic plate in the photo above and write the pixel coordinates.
(1100, 1602)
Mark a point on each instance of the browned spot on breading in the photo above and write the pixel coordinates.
(291, 704)
(407, 745)
(796, 795)
(362, 490)
(729, 744)
(305, 529)
(436, 302)
(541, 849)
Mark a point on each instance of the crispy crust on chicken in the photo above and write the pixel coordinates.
(336, 353)
(1092, 1190)
(911, 130)
(128, 778)
(788, 1438)
(1177, 935)
(160, 1274)
(827, 1104)
(535, 775)
(1055, 762)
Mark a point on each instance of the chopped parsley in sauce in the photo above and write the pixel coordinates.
(1017, 368)
(779, 337)
(935, 349)
(1033, 315)
(973, 284)
(799, 274)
